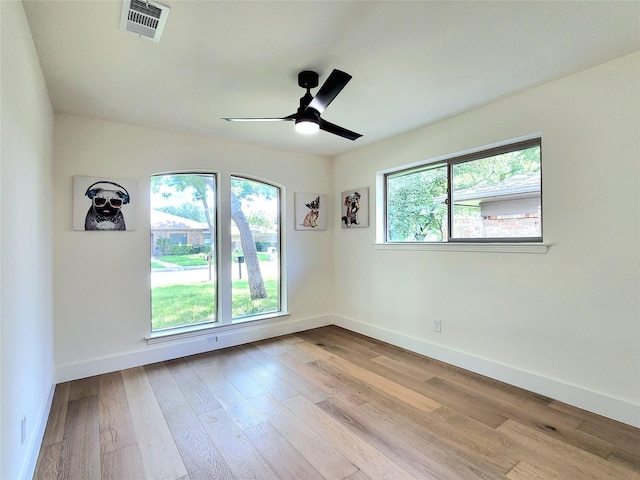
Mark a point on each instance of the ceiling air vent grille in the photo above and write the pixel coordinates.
(144, 18)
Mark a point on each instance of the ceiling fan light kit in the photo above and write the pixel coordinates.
(307, 127)
(308, 116)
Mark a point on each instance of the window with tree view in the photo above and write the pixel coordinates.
(255, 234)
(183, 250)
(493, 195)
(190, 286)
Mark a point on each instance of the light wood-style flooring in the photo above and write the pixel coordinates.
(322, 404)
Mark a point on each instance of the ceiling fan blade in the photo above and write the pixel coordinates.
(337, 130)
(329, 90)
(283, 119)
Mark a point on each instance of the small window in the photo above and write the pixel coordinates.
(489, 196)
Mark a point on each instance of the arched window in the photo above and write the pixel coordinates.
(205, 274)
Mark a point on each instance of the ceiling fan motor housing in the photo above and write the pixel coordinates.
(308, 79)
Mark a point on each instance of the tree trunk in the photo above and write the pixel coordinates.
(256, 283)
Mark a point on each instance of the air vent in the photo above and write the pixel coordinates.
(144, 18)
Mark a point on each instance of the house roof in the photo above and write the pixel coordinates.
(518, 186)
(166, 221)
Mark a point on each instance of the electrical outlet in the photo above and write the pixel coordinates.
(23, 429)
(212, 339)
(437, 326)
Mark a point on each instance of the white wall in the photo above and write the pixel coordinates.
(26, 240)
(102, 296)
(565, 323)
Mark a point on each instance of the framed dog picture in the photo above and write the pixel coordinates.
(310, 211)
(103, 203)
(355, 208)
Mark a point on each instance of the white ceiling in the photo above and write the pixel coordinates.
(412, 62)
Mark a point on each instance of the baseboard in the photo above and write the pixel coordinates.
(168, 350)
(35, 442)
(610, 407)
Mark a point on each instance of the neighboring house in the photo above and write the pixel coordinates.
(509, 208)
(179, 230)
(184, 231)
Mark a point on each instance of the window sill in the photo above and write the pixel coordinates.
(211, 329)
(468, 247)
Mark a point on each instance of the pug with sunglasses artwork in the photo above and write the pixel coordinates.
(105, 212)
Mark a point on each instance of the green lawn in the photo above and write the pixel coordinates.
(184, 260)
(194, 303)
(195, 259)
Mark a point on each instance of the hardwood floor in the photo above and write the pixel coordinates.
(322, 404)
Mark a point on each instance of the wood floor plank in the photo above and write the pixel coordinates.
(49, 463)
(424, 458)
(243, 458)
(400, 392)
(568, 461)
(196, 448)
(359, 475)
(465, 401)
(278, 371)
(623, 436)
(325, 458)
(54, 431)
(331, 386)
(158, 449)
(237, 368)
(235, 404)
(284, 459)
(197, 394)
(336, 338)
(123, 463)
(525, 471)
(85, 387)
(81, 444)
(116, 426)
(156, 371)
(366, 457)
(256, 373)
(404, 368)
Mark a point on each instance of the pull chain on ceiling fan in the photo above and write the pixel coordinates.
(308, 116)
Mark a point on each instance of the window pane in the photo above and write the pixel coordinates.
(416, 205)
(498, 196)
(255, 214)
(183, 251)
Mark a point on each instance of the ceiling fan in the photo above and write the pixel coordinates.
(307, 118)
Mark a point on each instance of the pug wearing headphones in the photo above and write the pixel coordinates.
(105, 212)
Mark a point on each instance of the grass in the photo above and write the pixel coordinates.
(196, 259)
(194, 303)
(182, 304)
(184, 260)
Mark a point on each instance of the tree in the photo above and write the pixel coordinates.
(413, 214)
(186, 210)
(163, 245)
(249, 250)
(202, 188)
(249, 190)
